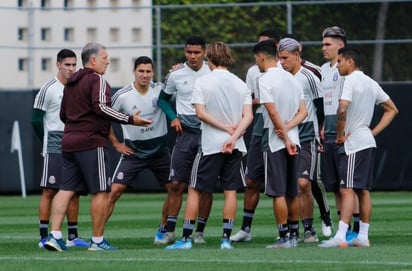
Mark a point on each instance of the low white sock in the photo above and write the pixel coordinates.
(57, 234)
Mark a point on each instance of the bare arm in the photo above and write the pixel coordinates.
(204, 116)
(390, 111)
(341, 121)
(120, 147)
(280, 126)
(299, 116)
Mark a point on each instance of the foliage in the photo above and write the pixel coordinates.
(241, 24)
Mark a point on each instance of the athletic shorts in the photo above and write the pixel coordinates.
(356, 170)
(207, 169)
(255, 171)
(307, 160)
(86, 171)
(330, 162)
(281, 171)
(184, 152)
(52, 171)
(130, 166)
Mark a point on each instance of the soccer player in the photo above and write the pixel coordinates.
(180, 82)
(333, 38)
(49, 128)
(289, 56)
(223, 103)
(355, 111)
(143, 147)
(86, 112)
(282, 96)
(254, 164)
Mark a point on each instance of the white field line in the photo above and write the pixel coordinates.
(237, 261)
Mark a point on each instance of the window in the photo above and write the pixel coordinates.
(46, 64)
(91, 34)
(114, 34)
(45, 34)
(136, 34)
(68, 3)
(114, 64)
(92, 4)
(23, 64)
(68, 34)
(45, 3)
(22, 33)
(22, 3)
(114, 3)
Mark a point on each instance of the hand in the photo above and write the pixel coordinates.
(176, 66)
(229, 146)
(139, 121)
(123, 149)
(291, 148)
(281, 133)
(177, 125)
(341, 139)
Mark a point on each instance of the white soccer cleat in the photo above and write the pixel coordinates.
(241, 236)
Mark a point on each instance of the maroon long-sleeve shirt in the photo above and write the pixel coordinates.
(86, 112)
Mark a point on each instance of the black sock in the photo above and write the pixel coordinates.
(307, 224)
(201, 224)
(171, 223)
(72, 230)
(247, 219)
(294, 228)
(283, 230)
(356, 218)
(44, 228)
(188, 227)
(227, 228)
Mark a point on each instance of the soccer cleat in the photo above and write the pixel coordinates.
(77, 242)
(326, 225)
(42, 242)
(281, 242)
(310, 237)
(198, 238)
(241, 236)
(159, 236)
(103, 245)
(53, 244)
(360, 243)
(334, 242)
(350, 236)
(181, 244)
(168, 238)
(225, 244)
(293, 240)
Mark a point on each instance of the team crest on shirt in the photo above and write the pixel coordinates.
(52, 180)
(335, 76)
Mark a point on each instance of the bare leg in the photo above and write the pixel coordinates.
(98, 208)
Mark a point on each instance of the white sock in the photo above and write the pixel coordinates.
(97, 239)
(57, 234)
(342, 229)
(363, 231)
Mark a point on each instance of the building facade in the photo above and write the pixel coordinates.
(33, 31)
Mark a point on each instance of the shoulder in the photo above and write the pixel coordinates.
(123, 91)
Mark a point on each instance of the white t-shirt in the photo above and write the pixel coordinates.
(181, 82)
(281, 88)
(48, 99)
(311, 90)
(224, 95)
(363, 93)
(331, 90)
(128, 100)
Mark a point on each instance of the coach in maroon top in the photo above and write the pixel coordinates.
(86, 112)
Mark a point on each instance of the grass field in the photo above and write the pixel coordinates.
(134, 223)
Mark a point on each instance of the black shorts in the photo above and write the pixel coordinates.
(210, 168)
(255, 170)
(130, 166)
(52, 171)
(307, 160)
(330, 162)
(184, 152)
(86, 171)
(356, 170)
(281, 174)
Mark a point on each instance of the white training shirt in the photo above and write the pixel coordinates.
(224, 95)
(311, 90)
(281, 88)
(128, 100)
(331, 90)
(181, 83)
(48, 99)
(363, 93)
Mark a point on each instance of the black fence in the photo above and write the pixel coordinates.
(394, 153)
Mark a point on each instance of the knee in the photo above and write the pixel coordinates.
(304, 186)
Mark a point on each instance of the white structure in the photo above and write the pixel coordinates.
(33, 31)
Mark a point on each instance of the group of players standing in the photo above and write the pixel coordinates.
(299, 114)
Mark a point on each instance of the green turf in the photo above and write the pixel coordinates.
(134, 223)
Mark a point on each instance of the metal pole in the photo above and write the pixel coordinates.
(158, 44)
(289, 16)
